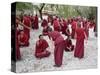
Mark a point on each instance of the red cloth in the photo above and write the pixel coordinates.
(23, 39)
(45, 32)
(56, 25)
(36, 26)
(79, 49)
(44, 23)
(64, 27)
(74, 24)
(41, 51)
(27, 22)
(54, 35)
(68, 44)
(18, 55)
(59, 47)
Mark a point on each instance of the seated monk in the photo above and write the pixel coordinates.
(41, 46)
(23, 39)
(68, 44)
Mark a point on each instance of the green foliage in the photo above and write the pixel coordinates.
(23, 6)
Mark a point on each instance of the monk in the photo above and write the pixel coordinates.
(64, 27)
(44, 23)
(27, 22)
(41, 45)
(59, 46)
(80, 36)
(56, 25)
(68, 44)
(18, 54)
(45, 30)
(74, 24)
(86, 28)
(23, 39)
(36, 26)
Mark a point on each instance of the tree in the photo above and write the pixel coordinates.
(39, 8)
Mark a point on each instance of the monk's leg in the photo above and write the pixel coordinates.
(58, 54)
(43, 54)
(79, 50)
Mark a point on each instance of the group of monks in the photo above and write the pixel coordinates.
(79, 31)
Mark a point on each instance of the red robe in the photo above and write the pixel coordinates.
(18, 55)
(41, 51)
(44, 23)
(45, 32)
(59, 47)
(36, 26)
(23, 39)
(27, 22)
(68, 45)
(86, 29)
(56, 25)
(64, 27)
(79, 49)
(74, 24)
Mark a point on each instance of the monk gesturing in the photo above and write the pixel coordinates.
(59, 46)
(80, 36)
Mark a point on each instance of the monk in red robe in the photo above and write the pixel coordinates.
(86, 28)
(68, 44)
(74, 24)
(23, 39)
(45, 30)
(41, 46)
(64, 27)
(59, 47)
(80, 36)
(27, 22)
(56, 25)
(36, 26)
(18, 55)
(44, 23)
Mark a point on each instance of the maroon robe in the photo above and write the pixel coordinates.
(56, 25)
(27, 22)
(18, 55)
(44, 23)
(23, 40)
(79, 49)
(68, 45)
(41, 51)
(74, 24)
(86, 28)
(59, 47)
(64, 27)
(36, 26)
(45, 31)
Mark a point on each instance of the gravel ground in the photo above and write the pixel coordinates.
(30, 64)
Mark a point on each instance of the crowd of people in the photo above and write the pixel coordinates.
(73, 28)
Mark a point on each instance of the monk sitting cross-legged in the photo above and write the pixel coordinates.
(41, 45)
(68, 44)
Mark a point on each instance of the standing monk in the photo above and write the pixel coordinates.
(44, 23)
(56, 25)
(36, 26)
(27, 22)
(80, 36)
(74, 24)
(18, 55)
(59, 47)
